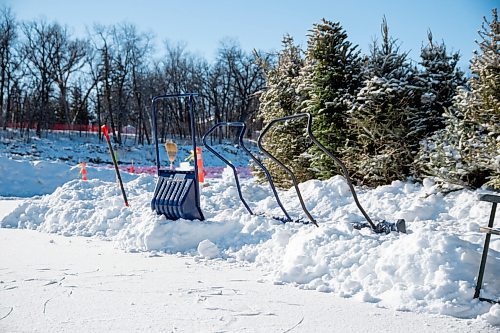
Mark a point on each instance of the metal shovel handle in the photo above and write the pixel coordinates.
(242, 132)
(323, 148)
(104, 129)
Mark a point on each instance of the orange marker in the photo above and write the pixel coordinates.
(199, 163)
(83, 170)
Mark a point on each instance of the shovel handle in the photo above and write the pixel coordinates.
(105, 131)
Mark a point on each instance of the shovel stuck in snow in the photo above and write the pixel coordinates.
(177, 192)
(106, 134)
(381, 227)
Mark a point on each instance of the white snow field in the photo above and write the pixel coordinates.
(136, 271)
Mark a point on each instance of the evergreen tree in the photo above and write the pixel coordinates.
(439, 79)
(383, 119)
(467, 151)
(330, 80)
(281, 99)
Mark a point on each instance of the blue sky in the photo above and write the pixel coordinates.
(261, 24)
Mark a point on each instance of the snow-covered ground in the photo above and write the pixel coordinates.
(53, 283)
(135, 270)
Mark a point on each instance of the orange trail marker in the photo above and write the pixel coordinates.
(83, 170)
(199, 163)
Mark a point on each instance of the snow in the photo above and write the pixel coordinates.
(132, 261)
(87, 148)
(76, 284)
(207, 249)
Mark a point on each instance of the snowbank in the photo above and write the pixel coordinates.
(431, 269)
(21, 178)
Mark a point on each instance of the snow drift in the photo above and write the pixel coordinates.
(431, 269)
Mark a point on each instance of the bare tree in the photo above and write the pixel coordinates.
(122, 66)
(248, 79)
(217, 90)
(231, 85)
(139, 47)
(36, 52)
(8, 35)
(112, 76)
(102, 42)
(66, 59)
(180, 72)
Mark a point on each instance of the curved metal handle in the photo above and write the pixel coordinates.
(326, 151)
(154, 101)
(281, 165)
(228, 163)
(249, 153)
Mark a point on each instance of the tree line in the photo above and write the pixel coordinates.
(48, 76)
(386, 117)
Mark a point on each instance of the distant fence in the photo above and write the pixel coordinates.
(210, 172)
(66, 127)
(80, 128)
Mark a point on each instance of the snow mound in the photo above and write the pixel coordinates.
(27, 179)
(430, 269)
(493, 316)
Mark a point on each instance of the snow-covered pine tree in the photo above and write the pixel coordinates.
(467, 151)
(330, 79)
(439, 79)
(485, 84)
(383, 116)
(281, 99)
